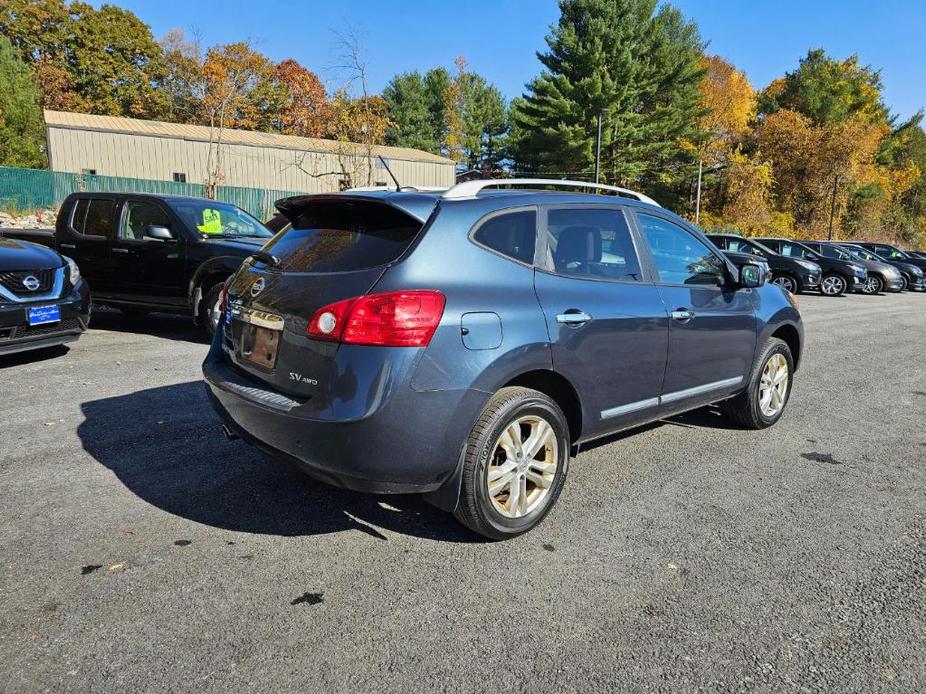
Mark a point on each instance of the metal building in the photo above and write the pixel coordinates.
(111, 146)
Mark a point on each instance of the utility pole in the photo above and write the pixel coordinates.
(598, 150)
(833, 206)
(698, 202)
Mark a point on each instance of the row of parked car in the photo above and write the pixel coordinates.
(459, 344)
(832, 267)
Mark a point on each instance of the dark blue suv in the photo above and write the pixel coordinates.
(461, 344)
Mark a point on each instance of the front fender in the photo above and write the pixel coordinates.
(223, 265)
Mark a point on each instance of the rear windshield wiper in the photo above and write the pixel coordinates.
(266, 258)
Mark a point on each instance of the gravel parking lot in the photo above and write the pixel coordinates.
(139, 550)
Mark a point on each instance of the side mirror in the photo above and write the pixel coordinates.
(750, 276)
(159, 233)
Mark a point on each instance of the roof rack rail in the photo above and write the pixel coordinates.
(469, 189)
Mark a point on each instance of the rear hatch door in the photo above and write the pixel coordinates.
(338, 247)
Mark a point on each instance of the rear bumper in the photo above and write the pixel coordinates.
(16, 335)
(409, 443)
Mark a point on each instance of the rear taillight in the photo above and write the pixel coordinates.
(223, 297)
(393, 319)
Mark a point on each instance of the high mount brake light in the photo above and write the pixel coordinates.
(391, 319)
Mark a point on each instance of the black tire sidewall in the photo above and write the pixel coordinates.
(205, 308)
(532, 404)
(777, 347)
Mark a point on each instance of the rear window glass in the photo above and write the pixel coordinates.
(342, 236)
(93, 217)
(510, 234)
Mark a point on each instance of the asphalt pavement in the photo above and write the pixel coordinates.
(140, 551)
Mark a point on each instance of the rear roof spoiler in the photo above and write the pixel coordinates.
(417, 206)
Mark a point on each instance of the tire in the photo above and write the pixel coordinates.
(833, 284)
(904, 283)
(485, 453)
(746, 409)
(786, 282)
(875, 285)
(208, 308)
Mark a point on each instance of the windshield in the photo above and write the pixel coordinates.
(889, 252)
(751, 247)
(834, 252)
(866, 254)
(796, 250)
(218, 219)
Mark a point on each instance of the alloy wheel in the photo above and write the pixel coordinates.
(833, 285)
(773, 385)
(786, 283)
(522, 466)
(873, 285)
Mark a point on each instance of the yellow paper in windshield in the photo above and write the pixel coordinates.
(212, 222)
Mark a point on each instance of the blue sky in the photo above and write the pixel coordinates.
(501, 37)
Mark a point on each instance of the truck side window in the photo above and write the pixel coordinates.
(139, 216)
(93, 217)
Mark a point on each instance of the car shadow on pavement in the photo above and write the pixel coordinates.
(164, 325)
(165, 444)
(32, 356)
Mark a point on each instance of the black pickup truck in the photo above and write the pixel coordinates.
(142, 252)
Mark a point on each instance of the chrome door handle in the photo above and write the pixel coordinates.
(67, 245)
(573, 318)
(682, 315)
(120, 250)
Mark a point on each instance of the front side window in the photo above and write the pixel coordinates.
(593, 243)
(138, 217)
(512, 234)
(93, 217)
(680, 258)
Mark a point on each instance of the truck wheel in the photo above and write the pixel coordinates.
(209, 313)
(768, 390)
(514, 465)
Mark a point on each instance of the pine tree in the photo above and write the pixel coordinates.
(633, 64)
(21, 128)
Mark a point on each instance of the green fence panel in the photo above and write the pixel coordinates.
(29, 189)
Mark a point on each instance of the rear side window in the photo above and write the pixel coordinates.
(593, 243)
(512, 234)
(93, 217)
(342, 236)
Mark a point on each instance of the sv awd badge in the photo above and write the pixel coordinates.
(299, 378)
